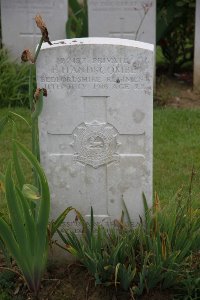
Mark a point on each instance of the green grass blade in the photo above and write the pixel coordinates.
(92, 222)
(18, 169)
(116, 273)
(44, 208)
(42, 216)
(126, 212)
(12, 114)
(8, 237)
(35, 146)
(75, 5)
(62, 237)
(3, 122)
(31, 86)
(147, 216)
(31, 192)
(38, 49)
(29, 222)
(2, 182)
(56, 224)
(38, 107)
(15, 209)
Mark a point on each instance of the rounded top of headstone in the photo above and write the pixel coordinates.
(98, 41)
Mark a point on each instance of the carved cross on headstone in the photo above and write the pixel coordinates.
(121, 32)
(33, 36)
(96, 125)
(132, 19)
(95, 145)
(19, 30)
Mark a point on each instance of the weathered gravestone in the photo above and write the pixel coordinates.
(19, 30)
(131, 19)
(96, 125)
(197, 48)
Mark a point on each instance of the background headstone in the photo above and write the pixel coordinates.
(96, 125)
(19, 30)
(131, 19)
(197, 48)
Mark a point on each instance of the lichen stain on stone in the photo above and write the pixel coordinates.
(138, 116)
(112, 190)
(113, 111)
(72, 172)
(87, 180)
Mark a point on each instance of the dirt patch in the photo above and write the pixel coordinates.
(176, 91)
(158, 295)
(68, 282)
(72, 282)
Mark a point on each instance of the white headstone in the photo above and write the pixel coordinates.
(96, 125)
(19, 30)
(131, 19)
(197, 48)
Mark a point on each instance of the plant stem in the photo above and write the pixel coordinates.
(35, 141)
(38, 49)
(141, 22)
(31, 75)
(189, 202)
(35, 147)
(31, 87)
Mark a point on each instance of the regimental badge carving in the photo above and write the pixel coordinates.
(95, 144)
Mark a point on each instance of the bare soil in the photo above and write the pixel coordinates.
(176, 91)
(67, 282)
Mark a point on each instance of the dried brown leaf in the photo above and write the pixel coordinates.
(157, 202)
(40, 24)
(38, 91)
(27, 56)
(39, 21)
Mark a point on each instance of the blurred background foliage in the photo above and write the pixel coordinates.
(175, 32)
(13, 82)
(77, 24)
(175, 44)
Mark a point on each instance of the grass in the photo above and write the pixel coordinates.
(13, 81)
(154, 256)
(176, 149)
(24, 135)
(176, 152)
(160, 59)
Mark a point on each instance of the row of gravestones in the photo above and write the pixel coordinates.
(96, 124)
(131, 19)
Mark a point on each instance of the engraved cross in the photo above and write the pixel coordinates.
(32, 32)
(96, 148)
(121, 32)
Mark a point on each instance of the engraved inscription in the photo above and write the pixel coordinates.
(105, 73)
(95, 144)
(118, 5)
(30, 5)
(77, 227)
